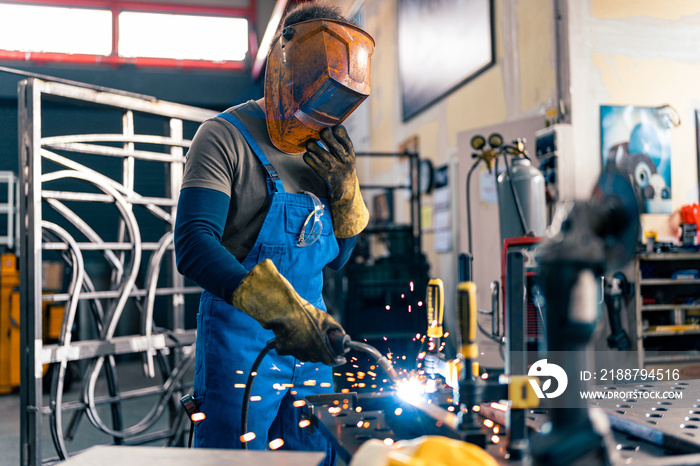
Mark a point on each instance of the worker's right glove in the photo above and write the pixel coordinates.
(301, 330)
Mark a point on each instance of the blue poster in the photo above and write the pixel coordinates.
(638, 141)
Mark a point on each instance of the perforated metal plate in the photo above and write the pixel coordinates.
(669, 422)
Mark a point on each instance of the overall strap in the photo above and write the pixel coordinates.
(274, 183)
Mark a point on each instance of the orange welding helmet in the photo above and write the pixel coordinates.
(317, 74)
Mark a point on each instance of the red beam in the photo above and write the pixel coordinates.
(115, 61)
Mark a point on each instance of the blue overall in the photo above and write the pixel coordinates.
(229, 340)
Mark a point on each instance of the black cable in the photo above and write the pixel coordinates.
(191, 434)
(469, 210)
(249, 387)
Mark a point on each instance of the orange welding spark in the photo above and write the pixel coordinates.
(293, 392)
(488, 423)
(403, 296)
(354, 358)
(325, 384)
(239, 385)
(403, 357)
(239, 372)
(309, 383)
(247, 437)
(359, 424)
(384, 338)
(411, 285)
(388, 441)
(366, 424)
(197, 417)
(351, 379)
(255, 398)
(344, 390)
(337, 374)
(451, 409)
(358, 409)
(334, 409)
(362, 385)
(420, 303)
(253, 374)
(373, 386)
(276, 443)
(304, 423)
(371, 373)
(299, 403)
(360, 375)
(409, 308)
(355, 366)
(290, 385)
(387, 307)
(336, 402)
(372, 367)
(345, 406)
(495, 439)
(346, 401)
(499, 406)
(485, 376)
(398, 411)
(447, 334)
(496, 429)
(476, 408)
(349, 374)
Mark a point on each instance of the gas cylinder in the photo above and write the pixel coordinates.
(528, 183)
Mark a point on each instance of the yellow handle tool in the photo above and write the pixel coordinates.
(466, 309)
(436, 307)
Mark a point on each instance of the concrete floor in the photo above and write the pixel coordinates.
(130, 377)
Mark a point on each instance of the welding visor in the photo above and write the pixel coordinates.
(318, 73)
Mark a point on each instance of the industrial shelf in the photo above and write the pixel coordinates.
(672, 358)
(669, 281)
(653, 282)
(669, 307)
(668, 333)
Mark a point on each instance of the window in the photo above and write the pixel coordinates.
(32, 28)
(182, 36)
(115, 33)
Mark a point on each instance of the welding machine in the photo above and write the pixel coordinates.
(535, 317)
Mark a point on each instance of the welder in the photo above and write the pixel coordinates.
(269, 198)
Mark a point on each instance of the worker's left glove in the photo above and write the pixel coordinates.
(301, 330)
(336, 166)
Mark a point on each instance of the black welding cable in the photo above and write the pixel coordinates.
(469, 209)
(249, 387)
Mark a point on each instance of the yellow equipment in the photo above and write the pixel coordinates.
(9, 323)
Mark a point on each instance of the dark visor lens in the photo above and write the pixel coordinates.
(332, 100)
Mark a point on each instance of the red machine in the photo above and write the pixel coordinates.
(527, 245)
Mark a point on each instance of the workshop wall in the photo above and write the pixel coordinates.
(521, 84)
(641, 53)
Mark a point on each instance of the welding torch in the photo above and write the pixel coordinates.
(341, 343)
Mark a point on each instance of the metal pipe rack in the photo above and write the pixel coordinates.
(61, 177)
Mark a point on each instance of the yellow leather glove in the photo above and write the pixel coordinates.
(301, 330)
(429, 450)
(336, 166)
